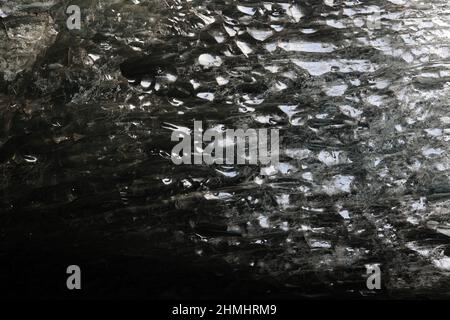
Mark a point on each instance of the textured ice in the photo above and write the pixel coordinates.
(363, 178)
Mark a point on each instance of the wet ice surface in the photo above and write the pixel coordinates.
(361, 105)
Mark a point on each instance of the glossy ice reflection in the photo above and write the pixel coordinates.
(362, 108)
